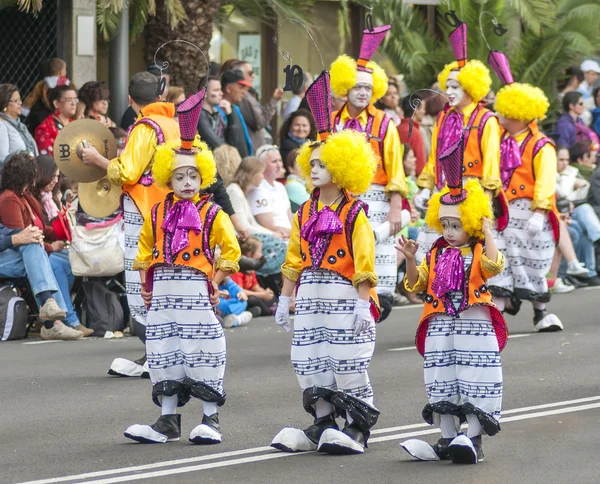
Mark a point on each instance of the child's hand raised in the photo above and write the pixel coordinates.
(486, 226)
(407, 247)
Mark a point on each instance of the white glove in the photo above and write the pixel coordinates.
(363, 318)
(405, 215)
(282, 315)
(535, 223)
(420, 199)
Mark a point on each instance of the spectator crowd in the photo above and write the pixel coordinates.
(258, 178)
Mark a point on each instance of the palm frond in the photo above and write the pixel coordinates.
(264, 9)
(535, 14)
(108, 21)
(175, 12)
(30, 6)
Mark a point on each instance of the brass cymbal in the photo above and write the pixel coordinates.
(100, 198)
(73, 137)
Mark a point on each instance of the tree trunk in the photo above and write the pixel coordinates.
(186, 65)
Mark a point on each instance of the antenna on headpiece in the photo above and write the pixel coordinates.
(499, 29)
(294, 76)
(416, 104)
(165, 64)
(369, 19)
(450, 16)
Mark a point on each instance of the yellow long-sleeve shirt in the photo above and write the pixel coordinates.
(136, 158)
(392, 156)
(221, 234)
(363, 243)
(490, 150)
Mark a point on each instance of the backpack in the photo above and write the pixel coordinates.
(101, 309)
(13, 315)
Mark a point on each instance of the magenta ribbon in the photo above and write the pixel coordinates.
(353, 124)
(182, 217)
(510, 159)
(449, 272)
(321, 224)
(450, 132)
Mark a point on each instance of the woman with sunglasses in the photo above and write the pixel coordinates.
(570, 127)
(14, 135)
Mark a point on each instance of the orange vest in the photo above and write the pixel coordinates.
(522, 181)
(376, 129)
(334, 252)
(160, 117)
(475, 288)
(473, 157)
(198, 254)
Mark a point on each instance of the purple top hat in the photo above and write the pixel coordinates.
(499, 62)
(458, 42)
(189, 114)
(371, 40)
(451, 161)
(318, 97)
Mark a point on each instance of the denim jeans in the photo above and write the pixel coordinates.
(65, 278)
(586, 216)
(31, 261)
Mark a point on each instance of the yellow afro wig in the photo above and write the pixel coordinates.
(165, 160)
(474, 77)
(343, 77)
(472, 210)
(348, 157)
(521, 101)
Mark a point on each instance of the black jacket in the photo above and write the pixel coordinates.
(215, 132)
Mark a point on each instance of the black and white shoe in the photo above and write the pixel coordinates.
(124, 367)
(351, 440)
(546, 323)
(208, 432)
(421, 450)
(295, 440)
(463, 450)
(166, 429)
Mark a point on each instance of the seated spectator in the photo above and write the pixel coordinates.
(228, 160)
(569, 81)
(175, 95)
(232, 304)
(37, 106)
(580, 156)
(19, 210)
(46, 189)
(390, 102)
(261, 301)
(596, 112)
(269, 200)
(14, 136)
(569, 183)
(64, 99)
(297, 96)
(95, 96)
(234, 87)
(570, 125)
(295, 184)
(121, 137)
(591, 70)
(416, 139)
(248, 176)
(299, 128)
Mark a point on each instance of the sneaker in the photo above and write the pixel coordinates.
(576, 268)
(60, 331)
(233, 321)
(86, 331)
(51, 311)
(166, 429)
(400, 300)
(244, 318)
(560, 287)
(208, 432)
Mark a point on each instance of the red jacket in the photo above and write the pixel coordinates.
(46, 133)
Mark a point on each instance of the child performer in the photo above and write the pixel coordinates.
(185, 341)
(461, 332)
(330, 260)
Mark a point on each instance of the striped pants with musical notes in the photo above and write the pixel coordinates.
(183, 336)
(133, 222)
(325, 352)
(386, 256)
(462, 361)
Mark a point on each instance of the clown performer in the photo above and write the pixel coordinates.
(466, 82)
(185, 342)
(364, 82)
(330, 260)
(528, 171)
(132, 170)
(461, 332)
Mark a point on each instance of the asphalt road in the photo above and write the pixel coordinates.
(63, 417)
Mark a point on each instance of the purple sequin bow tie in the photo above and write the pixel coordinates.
(449, 272)
(510, 159)
(320, 224)
(353, 124)
(182, 217)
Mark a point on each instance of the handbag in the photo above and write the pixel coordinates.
(95, 252)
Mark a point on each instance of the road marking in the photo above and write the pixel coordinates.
(407, 348)
(42, 342)
(277, 455)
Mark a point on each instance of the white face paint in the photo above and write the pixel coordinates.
(186, 182)
(319, 174)
(360, 95)
(454, 90)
